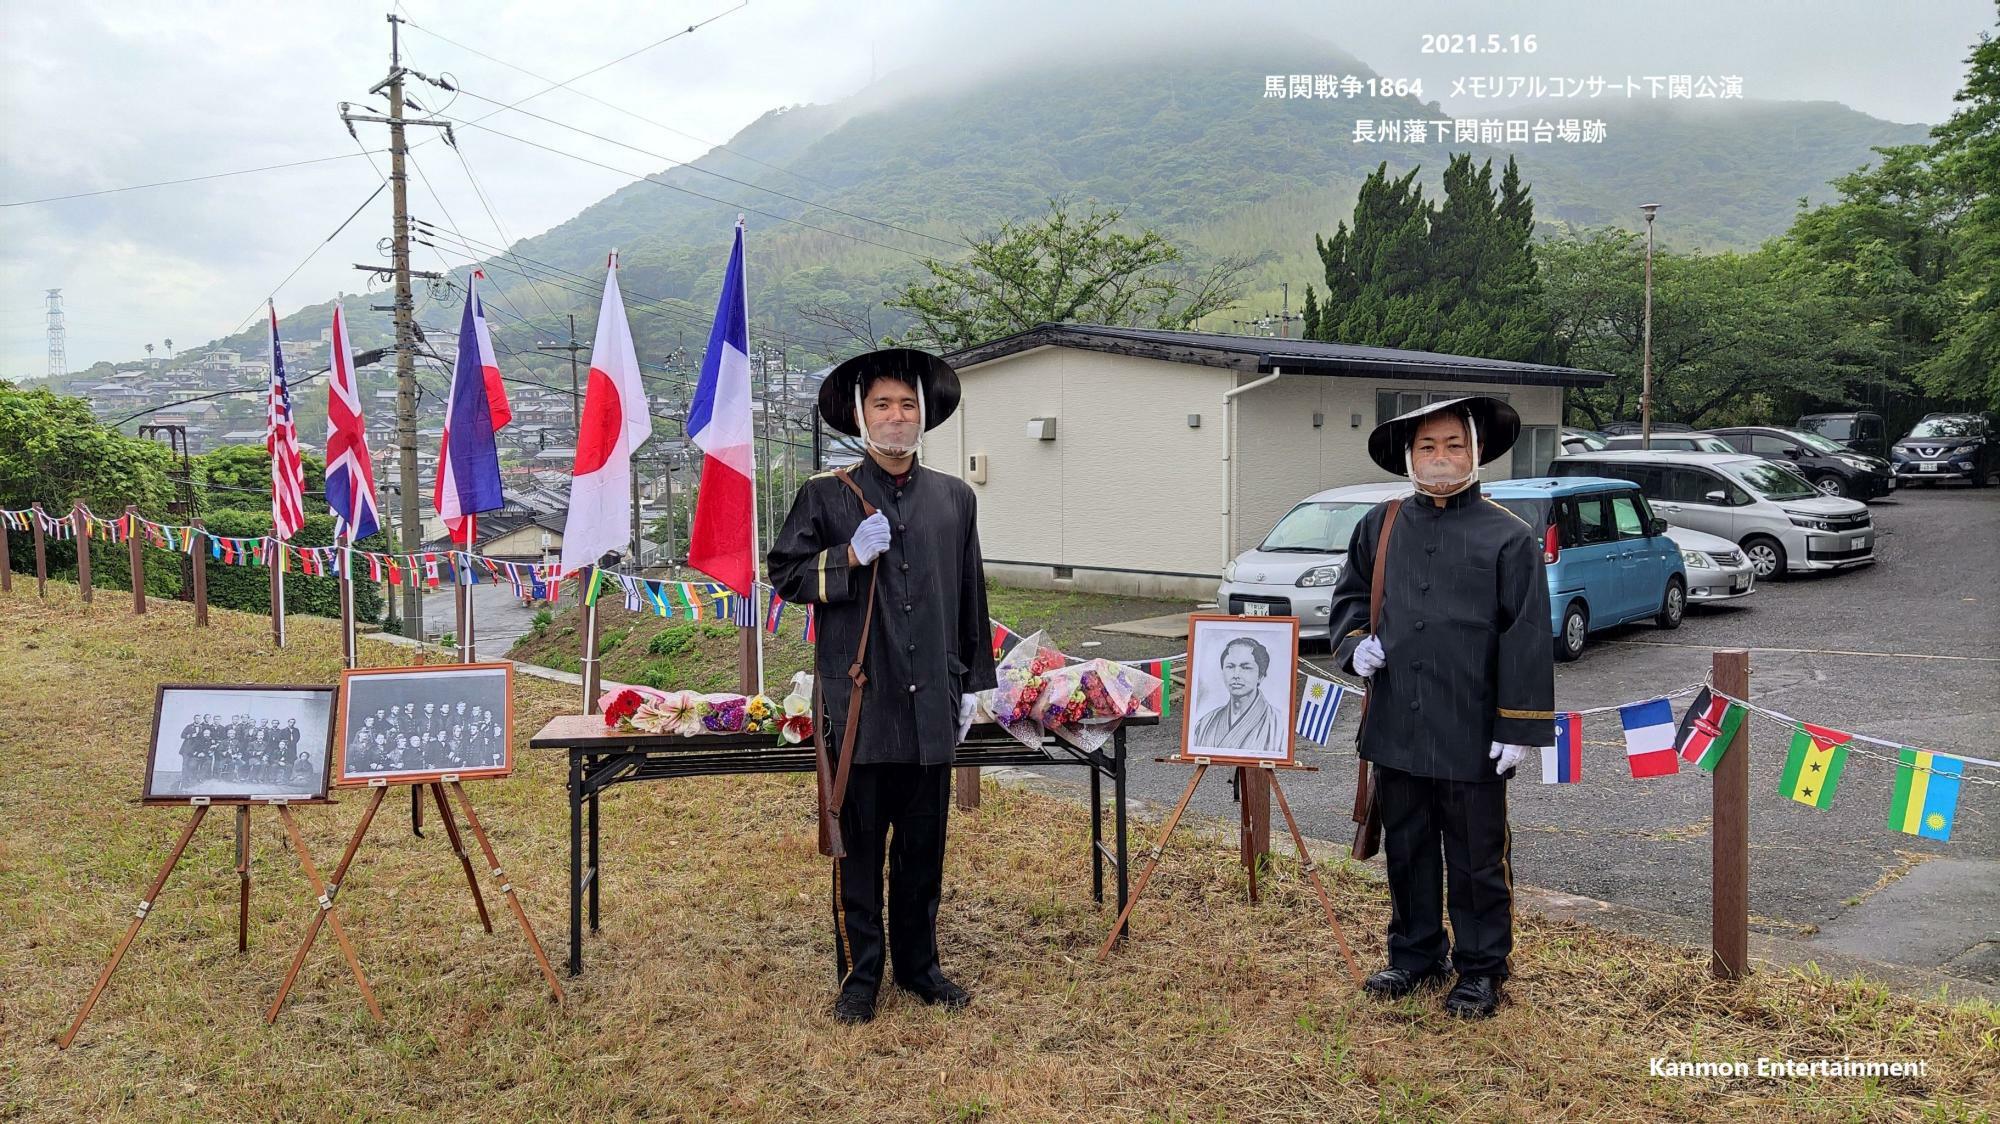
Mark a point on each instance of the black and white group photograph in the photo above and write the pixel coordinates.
(1240, 675)
(407, 724)
(239, 743)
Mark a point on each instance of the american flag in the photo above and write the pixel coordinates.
(281, 439)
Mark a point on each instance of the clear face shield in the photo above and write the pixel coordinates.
(1436, 480)
(892, 451)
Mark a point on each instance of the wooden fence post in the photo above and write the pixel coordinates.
(1729, 878)
(41, 555)
(6, 560)
(81, 525)
(1254, 815)
(198, 555)
(138, 559)
(967, 777)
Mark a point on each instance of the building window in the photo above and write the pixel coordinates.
(1396, 403)
(1533, 451)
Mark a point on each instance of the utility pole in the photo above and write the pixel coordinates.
(1646, 364)
(575, 390)
(405, 305)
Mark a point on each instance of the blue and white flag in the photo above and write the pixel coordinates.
(1319, 708)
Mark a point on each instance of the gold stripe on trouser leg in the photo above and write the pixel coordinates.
(1507, 875)
(845, 943)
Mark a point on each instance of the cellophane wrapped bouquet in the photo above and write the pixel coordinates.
(1040, 692)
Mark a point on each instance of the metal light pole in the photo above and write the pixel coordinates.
(1646, 361)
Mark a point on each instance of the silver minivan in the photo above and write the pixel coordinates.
(1781, 521)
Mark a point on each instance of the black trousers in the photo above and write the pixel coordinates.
(1452, 833)
(903, 807)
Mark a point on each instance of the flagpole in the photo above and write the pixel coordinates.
(756, 540)
(276, 560)
(465, 645)
(343, 541)
(589, 641)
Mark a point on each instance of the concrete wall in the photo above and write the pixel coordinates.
(1129, 498)
(1282, 458)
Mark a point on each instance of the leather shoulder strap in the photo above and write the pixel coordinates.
(867, 508)
(1380, 574)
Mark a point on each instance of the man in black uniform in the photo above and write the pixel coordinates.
(1461, 670)
(929, 651)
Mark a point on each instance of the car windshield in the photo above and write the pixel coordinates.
(1840, 429)
(1951, 425)
(1772, 481)
(1817, 443)
(1534, 511)
(1323, 527)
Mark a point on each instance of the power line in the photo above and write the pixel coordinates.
(310, 255)
(184, 179)
(705, 171)
(714, 145)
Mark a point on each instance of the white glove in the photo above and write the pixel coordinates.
(966, 705)
(1507, 756)
(870, 539)
(1368, 657)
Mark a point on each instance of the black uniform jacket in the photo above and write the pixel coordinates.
(931, 641)
(1465, 630)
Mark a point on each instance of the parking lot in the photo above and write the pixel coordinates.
(1908, 648)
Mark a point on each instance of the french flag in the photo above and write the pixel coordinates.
(1649, 738)
(722, 543)
(468, 479)
(1562, 763)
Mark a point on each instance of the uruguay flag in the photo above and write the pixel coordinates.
(1320, 706)
(722, 543)
(468, 479)
(350, 475)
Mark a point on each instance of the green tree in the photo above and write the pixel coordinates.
(233, 475)
(1456, 277)
(53, 452)
(1966, 156)
(1063, 268)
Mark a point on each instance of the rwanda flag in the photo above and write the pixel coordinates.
(1926, 794)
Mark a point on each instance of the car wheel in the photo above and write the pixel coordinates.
(1767, 557)
(1575, 630)
(1831, 486)
(1673, 604)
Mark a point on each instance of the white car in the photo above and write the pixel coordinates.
(1717, 569)
(1291, 573)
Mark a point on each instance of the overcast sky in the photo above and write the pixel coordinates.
(97, 95)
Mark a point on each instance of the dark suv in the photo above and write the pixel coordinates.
(1833, 468)
(1943, 446)
(1860, 430)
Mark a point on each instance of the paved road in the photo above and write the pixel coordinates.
(498, 618)
(1934, 591)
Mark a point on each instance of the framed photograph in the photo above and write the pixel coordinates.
(414, 725)
(248, 744)
(1239, 695)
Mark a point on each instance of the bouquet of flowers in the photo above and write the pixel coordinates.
(1018, 704)
(796, 723)
(1104, 694)
(689, 713)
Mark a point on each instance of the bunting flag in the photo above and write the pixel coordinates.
(537, 589)
(812, 626)
(1649, 738)
(430, 569)
(999, 640)
(593, 585)
(1813, 764)
(1562, 763)
(1926, 797)
(1707, 729)
(635, 596)
(658, 601)
(1318, 708)
(395, 570)
(774, 614)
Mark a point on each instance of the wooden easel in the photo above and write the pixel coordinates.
(243, 902)
(451, 829)
(1306, 864)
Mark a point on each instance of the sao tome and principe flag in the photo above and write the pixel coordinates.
(1813, 764)
(1926, 795)
(1707, 729)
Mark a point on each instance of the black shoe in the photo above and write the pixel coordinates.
(1474, 997)
(945, 993)
(1394, 983)
(854, 1008)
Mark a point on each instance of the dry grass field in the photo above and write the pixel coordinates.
(706, 994)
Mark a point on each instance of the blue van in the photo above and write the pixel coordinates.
(1610, 560)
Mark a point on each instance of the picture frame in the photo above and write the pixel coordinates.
(417, 725)
(239, 743)
(1241, 706)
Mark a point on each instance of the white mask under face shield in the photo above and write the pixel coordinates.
(868, 439)
(1448, 488)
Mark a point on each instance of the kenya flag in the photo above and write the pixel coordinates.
(1707, 729)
